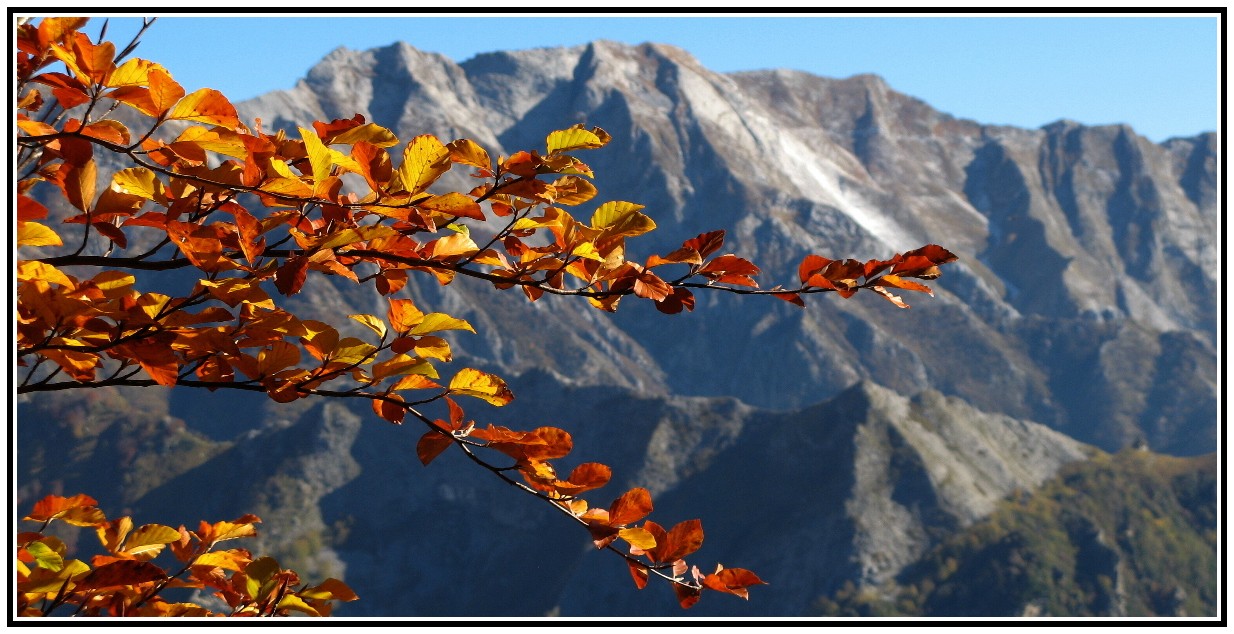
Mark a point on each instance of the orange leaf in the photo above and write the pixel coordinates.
(206, 106)
(453, 204)
(586, 477)
(733, 581)
(706, 243)
(685, 538)
(403, 315)
(631, 507)
(55, 506)
(467, 152)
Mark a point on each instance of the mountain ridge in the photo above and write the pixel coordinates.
(1089, 228)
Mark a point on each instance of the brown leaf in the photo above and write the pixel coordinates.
(120, 573)
(431, 445)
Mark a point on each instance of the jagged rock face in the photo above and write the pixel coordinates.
(1092, 230)
(850, 490)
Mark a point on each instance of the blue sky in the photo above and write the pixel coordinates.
(1158, 72)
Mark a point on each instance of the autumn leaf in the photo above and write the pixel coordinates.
(78, 510)
(148, 541)
(631, 507)
(621, 219)
(431, 445)
(481, 385)
(33, 234)
(575, 138)
(206, 106)
(733, 581)
(120, 573)
(425, 159)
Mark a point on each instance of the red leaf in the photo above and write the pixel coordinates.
(681, 298)
(730, 265)
(431, 445)
(639, 573)
(687, 596)
(792, 298)
(392, 412)
(111, 232)
(733, 581)
(291, 275)
(706, 243)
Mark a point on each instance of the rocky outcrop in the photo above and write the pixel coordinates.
(1093, 231)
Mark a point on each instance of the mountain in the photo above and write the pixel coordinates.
(1085, 295)
(833, 447)
(1084, 544)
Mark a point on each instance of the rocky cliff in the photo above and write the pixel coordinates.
(1087, 255)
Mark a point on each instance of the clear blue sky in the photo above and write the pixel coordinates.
(1158, 73)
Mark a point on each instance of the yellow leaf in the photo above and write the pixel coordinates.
(638, 537)
(620, 218)
(433, 348)
(33, 234)
(401, 364)
(218, 140)
(352, 351)
(454, 204)
(147, 542)
(359, 234)
(139, 181)
(416, 382)
(330, 589)
(226, 559)
(587, 250)
(369, 133)
(135, 72)
(292, 187)
(114, 283)
(424, 161)
(318, 157)
(481, 385)
(434, 322)
(373, 322)
(28, 270)
(575, 138)
(293, 602)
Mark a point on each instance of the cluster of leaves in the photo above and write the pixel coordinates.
(254, 213)
(126, 582)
